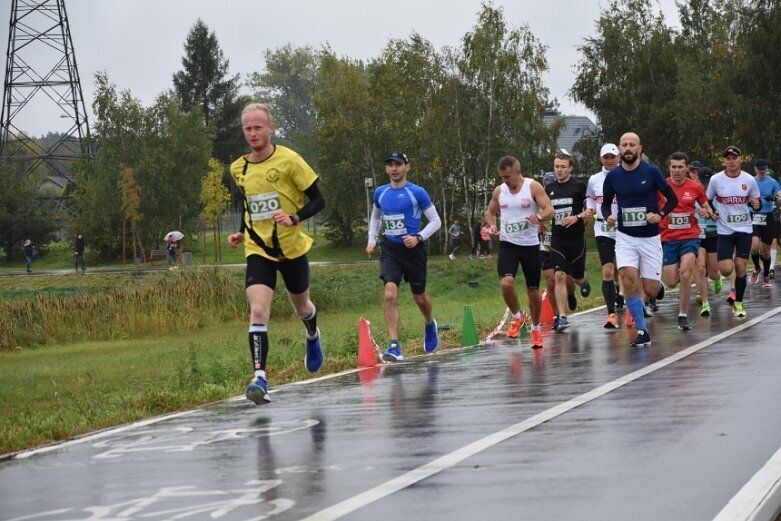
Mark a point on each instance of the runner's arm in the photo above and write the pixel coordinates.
(374, 224)
(434, 223)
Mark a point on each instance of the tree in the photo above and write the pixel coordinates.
(130, 192)
(215, 198)
(204, 85)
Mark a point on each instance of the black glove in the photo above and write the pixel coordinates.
(770, 198)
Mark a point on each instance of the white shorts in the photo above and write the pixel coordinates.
(643, 253)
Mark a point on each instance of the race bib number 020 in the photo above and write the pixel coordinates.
(394, 224)
(263, 206)
(631, 217)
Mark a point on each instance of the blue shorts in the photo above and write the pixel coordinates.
(672, 251)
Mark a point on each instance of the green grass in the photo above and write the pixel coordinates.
(173, 340)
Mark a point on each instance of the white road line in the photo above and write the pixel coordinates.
(450, 460)
(752, 502)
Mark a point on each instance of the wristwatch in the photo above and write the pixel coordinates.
(419, 236)
(662, 213)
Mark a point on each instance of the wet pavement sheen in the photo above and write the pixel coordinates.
(676, 443)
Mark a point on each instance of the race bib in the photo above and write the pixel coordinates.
(561, 214)
(394, 224)
(546, 239)
(262, 206)
(513, 229)
(738, 218)
(760, 219)
(606, 227)
(633, 217)
(702, 232)
(679, 221)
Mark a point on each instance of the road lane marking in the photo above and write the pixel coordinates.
(452, 459)
(753, 500)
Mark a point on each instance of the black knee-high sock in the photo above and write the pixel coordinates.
(740, 288)
(609, 292)
(258, 346)
(755, 260)
(766, 266)
(311, 322)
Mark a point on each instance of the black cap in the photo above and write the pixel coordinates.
(731, 150)
(696, 165)
(761, 163)
(399, 157)
(705, 174)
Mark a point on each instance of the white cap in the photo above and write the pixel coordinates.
(608, 148)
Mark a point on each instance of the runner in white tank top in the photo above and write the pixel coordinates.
(516, 227)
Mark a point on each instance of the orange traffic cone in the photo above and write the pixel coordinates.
(366, 354)
(546, 313)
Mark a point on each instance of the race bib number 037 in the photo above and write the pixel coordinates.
(263, 206)
(515, 228)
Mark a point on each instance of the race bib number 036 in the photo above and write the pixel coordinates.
(394, 224)
(632, 217)
(262, 206)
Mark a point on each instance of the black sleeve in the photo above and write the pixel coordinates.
(314, 204)
(672, 199)
(607, 200)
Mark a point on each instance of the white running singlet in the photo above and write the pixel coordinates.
(515, 209)
(733, 195)
(594, 192)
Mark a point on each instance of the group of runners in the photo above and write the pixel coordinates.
(642, 222)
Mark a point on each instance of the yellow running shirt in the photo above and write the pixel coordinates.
(278, 183)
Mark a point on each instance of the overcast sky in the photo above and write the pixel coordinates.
(140, 43)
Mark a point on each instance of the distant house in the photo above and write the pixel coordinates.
(574, 129)
(53, 186)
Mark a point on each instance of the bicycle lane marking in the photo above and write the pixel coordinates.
(452, 459)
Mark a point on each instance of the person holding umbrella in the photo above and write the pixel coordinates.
(170, 243)
(274, 181)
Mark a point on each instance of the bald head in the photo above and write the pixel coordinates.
(630, 148)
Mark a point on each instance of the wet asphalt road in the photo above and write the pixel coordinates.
(586, 429)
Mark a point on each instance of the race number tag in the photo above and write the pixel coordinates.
(561, 214)
(606, 227)
(760, 219)
(513, 229)
(738, 218)
(262, 206)
(702, 232)
(394, 224)
(546, 239)
(679, 221)
(632, 217)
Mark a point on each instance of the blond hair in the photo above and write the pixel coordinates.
(258, 106)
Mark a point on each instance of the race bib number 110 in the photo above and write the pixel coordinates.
(631, 217)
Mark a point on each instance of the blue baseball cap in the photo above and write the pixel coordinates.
(399, 157)
(761, 163)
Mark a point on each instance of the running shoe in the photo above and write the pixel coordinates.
(314, 353)
(585, 289)
(652, 307)
(612, 321)
(642, 339)
(393, 354)
(619, 300)
(515, 327)
(572, 302)
(563, 324)
(718, 285)
(731, 297)
(754, 277)
(629, 321)
(660, 294)
(451, 257)
(698, 300)
(683, 323)
(767, 283)
(257, 391)
(536, 339)
(705, 311)
(739, 311)
(555, 323)
(430, 337)
(647, 313)
(772, 273)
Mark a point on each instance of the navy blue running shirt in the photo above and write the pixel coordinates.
(637, 193)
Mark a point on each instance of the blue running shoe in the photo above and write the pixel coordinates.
(430, 337)
(642, 339)
(585, 289)
(393, 354)
(257, 391)
(563, 324)
(555, 323)
(314, 353)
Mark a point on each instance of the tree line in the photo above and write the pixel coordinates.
(710, 82)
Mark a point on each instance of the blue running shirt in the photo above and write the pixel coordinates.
(637, 194)
(401, 209)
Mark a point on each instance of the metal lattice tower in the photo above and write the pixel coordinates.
(40, 73)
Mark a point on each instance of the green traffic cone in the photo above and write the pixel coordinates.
(469, 331)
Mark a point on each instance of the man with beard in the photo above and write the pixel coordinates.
(635, 184)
